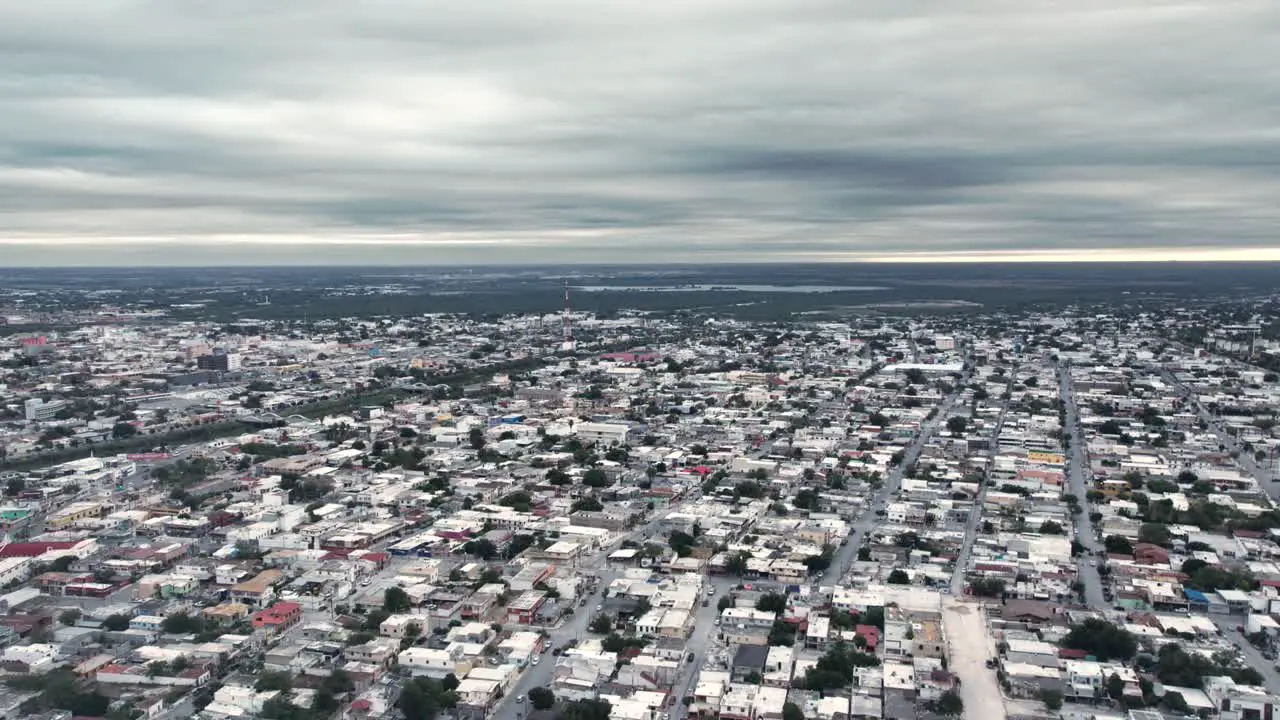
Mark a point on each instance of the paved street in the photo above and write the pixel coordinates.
(863, 525)
(704, 629)
(1227, 626)
(975, 516)
(1077, 467)
(540, 674)
(1243, 456)
(575, 627)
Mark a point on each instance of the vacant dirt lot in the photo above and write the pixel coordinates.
(969, 649)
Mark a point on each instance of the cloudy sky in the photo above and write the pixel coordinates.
(336, 131)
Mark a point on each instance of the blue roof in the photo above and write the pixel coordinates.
(1195, 595)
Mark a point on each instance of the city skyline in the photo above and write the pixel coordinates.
(754, 131)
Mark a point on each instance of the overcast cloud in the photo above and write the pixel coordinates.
(182, 132)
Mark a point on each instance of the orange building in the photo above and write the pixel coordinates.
(278, 617)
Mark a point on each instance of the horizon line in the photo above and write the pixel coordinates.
(201, 250)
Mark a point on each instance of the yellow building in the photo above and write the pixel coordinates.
(72, 514)
(1045, 458)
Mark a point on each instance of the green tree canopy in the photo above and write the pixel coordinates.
(396, 600)
(1101, 639)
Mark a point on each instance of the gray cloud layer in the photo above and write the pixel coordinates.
(565, 130)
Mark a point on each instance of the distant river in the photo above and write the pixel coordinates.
(728, 288)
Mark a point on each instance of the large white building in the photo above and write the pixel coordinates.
(603, 433)
(38, 410)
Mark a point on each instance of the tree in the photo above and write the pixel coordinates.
(15, 487)
(806, 500)
(116, 622)
(595, 478)
(590, 709)
(835, 667)
(69, 617)
(271, 680)
(1154, 533)
(542, 698)
(1049, 527)
(949, 704)
(724, 603)
(482, 548)
(123, 430)
(1052, 699)
(1101, 639)
(424, 698)
(864, 554)
(601, 624)
(988, 587)
(588, 504)
(782, 633)
(899, 577)
(873, 616)
(818, 563)
(1118, 545)
(1115, 686)
(956, 425)
(772, 602)
(791, 711)
(736, 564)
(681, 542)
(396, 600)
(476, 437)
(182, 624)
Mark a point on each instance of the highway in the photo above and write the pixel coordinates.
(1078, 482)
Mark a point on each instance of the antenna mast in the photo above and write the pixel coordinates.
(568, 319)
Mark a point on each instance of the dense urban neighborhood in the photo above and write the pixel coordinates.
(639, 516)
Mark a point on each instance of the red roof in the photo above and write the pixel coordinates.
(375, 557)
(32, 549)
(869, 633)
(1072, 654)
(361, 704)
(279, 612)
